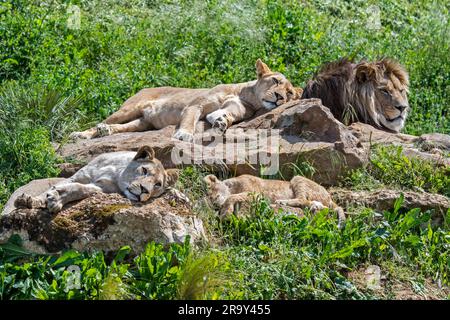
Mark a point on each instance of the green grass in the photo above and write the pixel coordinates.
(55, 80)
(269, 255)
(388, 167)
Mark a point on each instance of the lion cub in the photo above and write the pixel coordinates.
(137, 175)
(299, 192)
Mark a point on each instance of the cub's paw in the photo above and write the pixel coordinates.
(183, 135)
(228, 209)
(316, 206)
(27, 201)
(225, 213)
(54, 203)
(220, 125)
(103, 130)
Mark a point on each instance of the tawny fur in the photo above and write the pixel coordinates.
(223, 105)
(371, 92)
(299, 192)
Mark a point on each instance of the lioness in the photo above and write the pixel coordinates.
(137, 175)
(299, 192)
(156, 108)
(371, 92)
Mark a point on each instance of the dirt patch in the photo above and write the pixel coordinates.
(401, 284)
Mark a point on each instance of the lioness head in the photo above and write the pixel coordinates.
(383, 88)
(218, 191)
(272, 89)
(144, 177)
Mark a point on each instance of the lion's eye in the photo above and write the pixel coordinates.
(158, 185)
(385, 91)
(144, 171)
(275, 80)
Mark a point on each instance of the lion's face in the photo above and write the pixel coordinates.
(144, 177)
(218, 192)
(392, 104)
(389, 83)
(272, 89)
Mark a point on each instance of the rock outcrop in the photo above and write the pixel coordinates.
(307, 130)
(103, 222)
(384, 199)
(298, 135)
(308, 135)
(434, 147)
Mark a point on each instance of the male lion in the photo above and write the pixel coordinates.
(371, 92)
(299, 192)
(137, 175)
(156, 108)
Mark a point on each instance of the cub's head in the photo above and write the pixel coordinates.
(144, 177)
(383, 87)
(272, 89)
(218, 192)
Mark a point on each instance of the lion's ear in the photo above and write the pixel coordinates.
(210, 179)
(298, 92)
(262, 68)
(145, 153)
(366, 72)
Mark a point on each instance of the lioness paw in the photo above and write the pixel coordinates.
(103, 130)
(183, 135)
(220, 125)
(54, 203)
(27, 201)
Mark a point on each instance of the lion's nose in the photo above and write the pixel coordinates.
(401, 108)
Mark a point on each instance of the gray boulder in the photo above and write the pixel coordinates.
(104, 222)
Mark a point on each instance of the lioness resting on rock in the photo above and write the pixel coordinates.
(371, 92)
(156, 108)
(299, 192)
(137, 175)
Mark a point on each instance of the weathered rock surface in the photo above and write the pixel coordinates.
(434, 147)
(104, 222)
(308, 132)
(384, 200)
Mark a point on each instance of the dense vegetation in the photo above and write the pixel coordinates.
(57, 77)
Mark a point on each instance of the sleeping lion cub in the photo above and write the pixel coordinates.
(299, 192)
(137, 175)
(156, 108)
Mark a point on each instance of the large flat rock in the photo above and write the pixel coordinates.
(433, 147)
(308, 134)
(104, 222)
(384, 200)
